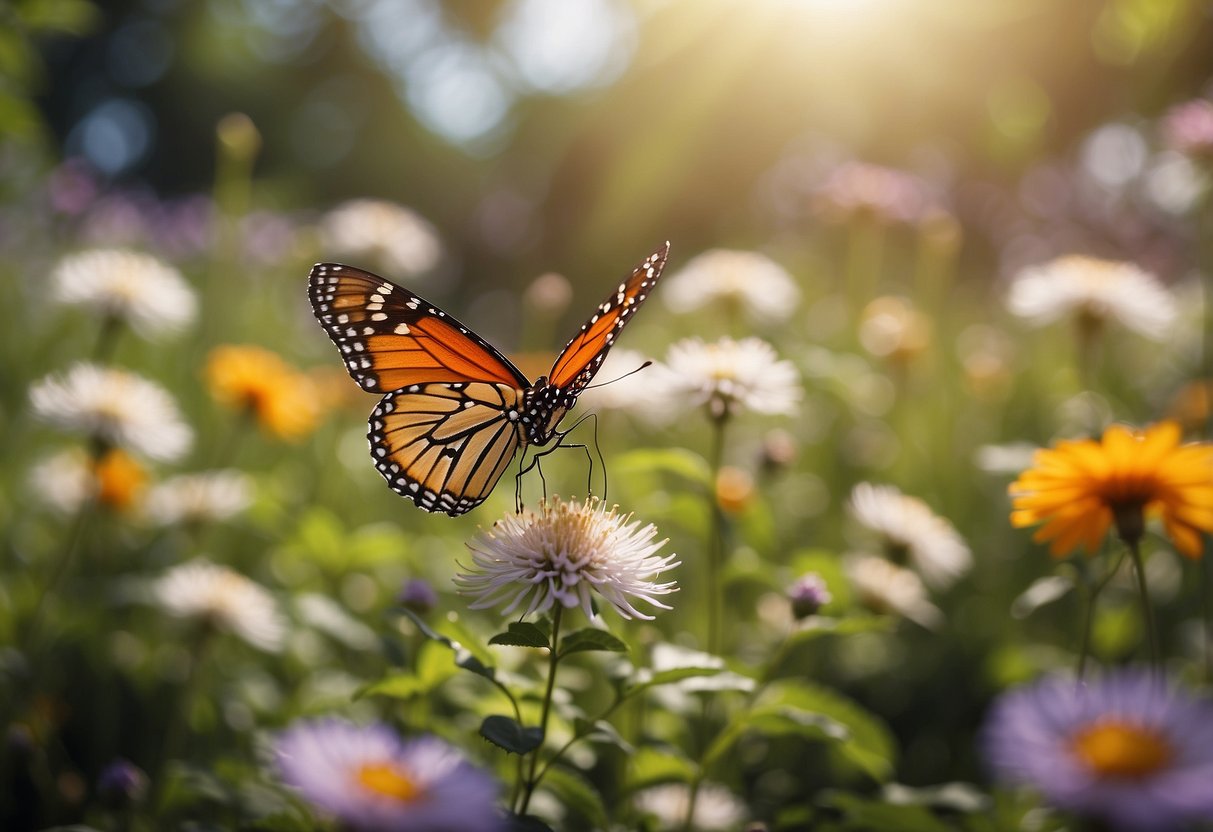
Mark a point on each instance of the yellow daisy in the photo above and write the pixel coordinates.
(1078, 489)
(282, 399)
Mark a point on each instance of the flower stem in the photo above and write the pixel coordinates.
(61, 567)
(1093, 591)
(179, 719)
(532, 779)
(1144, 593)
(716, 541)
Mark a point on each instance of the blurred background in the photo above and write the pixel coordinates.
(901, 159)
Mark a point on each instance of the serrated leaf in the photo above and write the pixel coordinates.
(578, 795)
(590, 639)
(508, 734)
(521, 634)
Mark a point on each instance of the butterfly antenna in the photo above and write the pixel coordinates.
(621, 378)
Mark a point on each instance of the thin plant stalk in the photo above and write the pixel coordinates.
(1144, 595)
(1091, 598)
(178, 725)
(716, 541)
(532, 780)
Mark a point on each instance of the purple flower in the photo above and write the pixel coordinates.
(121, 783)
(371, 780)
(417, 595)
(808, 595)
(1128, 747)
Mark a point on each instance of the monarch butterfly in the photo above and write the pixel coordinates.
(455, 410)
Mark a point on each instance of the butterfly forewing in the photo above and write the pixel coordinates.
(583, 356)
(391, 338)
(444, 446)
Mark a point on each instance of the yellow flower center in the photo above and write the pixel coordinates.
(388, 780)
(119, 480)
(1121, 750)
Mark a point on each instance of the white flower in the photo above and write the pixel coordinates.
(736, 279)
(396, 238)
(885, 587)
(138, 289)
(64, 481)
(199, 498)
(224, 599)
(565, 553)
(116, 407)
(909, 528)
(728, 376)
(715, 806)
(1098, 290)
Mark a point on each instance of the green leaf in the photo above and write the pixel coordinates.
(578, 795)
(774, 721)
(677, 461)
(463, 657)
(70, 17)
(396, 686)
(522, 634)
(591, 639)
(650, 766)
(862, 813)
(646, 679)
(869, 744)
(816, 626)
(508, 734)
(602, 732)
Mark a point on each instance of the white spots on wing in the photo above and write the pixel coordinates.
(374, 307)
(343, 319)
(376, 298)
(401, 329)
(379, 316)
(412, 304)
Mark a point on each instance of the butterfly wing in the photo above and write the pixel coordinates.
(579, 361)
(446, 428)
(444, 446)
(390, 338)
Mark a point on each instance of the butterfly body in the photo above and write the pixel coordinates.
(455, 411)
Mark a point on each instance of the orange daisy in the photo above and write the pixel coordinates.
(282, 399)
(1078, 489)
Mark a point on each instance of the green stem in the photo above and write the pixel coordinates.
(532, 779)
(178, 725)
(1092, 596)
(688, 822)
(67, 556)
(716, 541)
(1144, 594)
(107, 339)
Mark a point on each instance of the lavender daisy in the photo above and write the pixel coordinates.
(369, 779)
(565, 553)
(1130, 748)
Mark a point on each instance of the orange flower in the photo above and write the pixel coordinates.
(1079, 489)
(258, 381)
(120, 480)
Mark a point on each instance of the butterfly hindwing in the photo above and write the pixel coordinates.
(579, 361)
(391, 338)
(444, 446)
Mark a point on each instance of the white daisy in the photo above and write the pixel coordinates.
(735, 279)
(564, 553)
(395, 238)
(223, 599)
(728, 376)
(199, 498)
(64, 481)
(885, 587)
(116, 407)
(715, 806)
(1094, 290)
(909, 530)
(147, 294)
